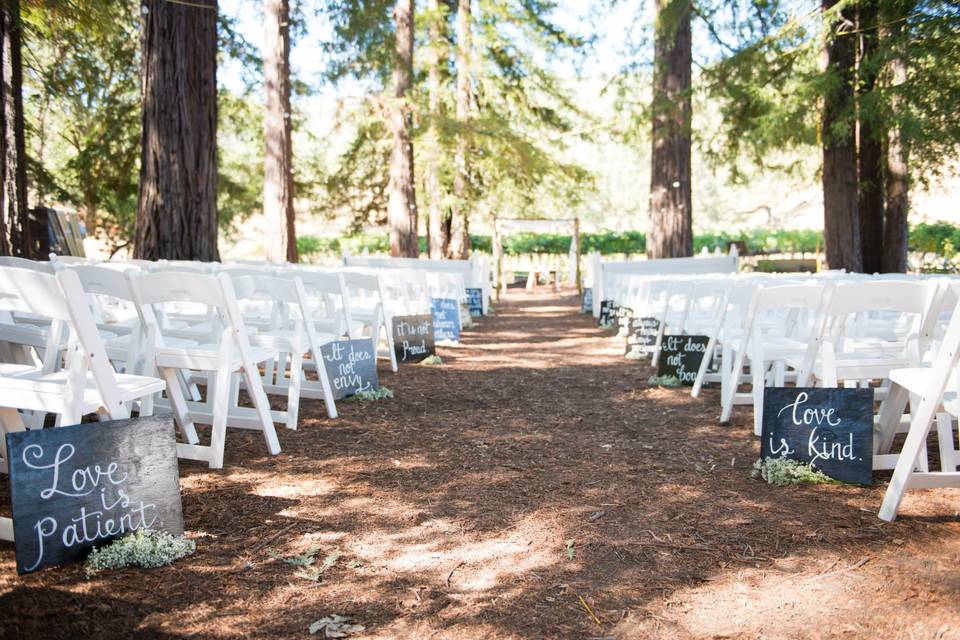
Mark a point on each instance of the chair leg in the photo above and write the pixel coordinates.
(220, 401)
(948, 454)
(916, 439)
(178, 405)
(375, 330)
(758, 375)
(293, 392)
(259, 398)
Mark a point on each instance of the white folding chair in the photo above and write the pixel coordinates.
(933, 389)
(222, 361)
(371, 318)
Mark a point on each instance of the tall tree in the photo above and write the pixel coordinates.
(278, 135)
(402, 206)
(897, 193)
(177, 203)
(14, 228)
(671, 215)
(841, 222)
(437, 218)
(459, 220)
(870, 146)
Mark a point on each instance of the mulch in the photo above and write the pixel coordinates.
(531, 486)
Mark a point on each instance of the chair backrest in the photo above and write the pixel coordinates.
(327, 298)
(272, 294)
(23, 263)
(60, 297)
(153, 291)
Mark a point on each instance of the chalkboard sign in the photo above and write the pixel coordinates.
(351, 366)
(830, 429)
(680, 357)
(623, 315)
(413, 338)
(586, 303)
(607, 313)
(446, 319)
(642, 334)
(475, 301)
(73, 488)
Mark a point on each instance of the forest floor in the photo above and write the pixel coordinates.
(531, 486)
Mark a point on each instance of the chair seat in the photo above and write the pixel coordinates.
(286, 340)
(204, 357)
(46, 393)
(10, 370)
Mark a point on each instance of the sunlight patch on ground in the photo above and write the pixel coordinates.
(302, 487)
(481, 564)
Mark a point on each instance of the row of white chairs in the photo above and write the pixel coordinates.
(78, 338)
(826, 330)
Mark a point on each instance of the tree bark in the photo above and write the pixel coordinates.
(277, 134)
(15, 237)
(439, 238)
(671, 214)
(870, 149)
(895, 230)
(177, 200)
(841, 221)
(460, 218)
(402, 206)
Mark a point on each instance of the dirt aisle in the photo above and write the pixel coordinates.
(532, 486)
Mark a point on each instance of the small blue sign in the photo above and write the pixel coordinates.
(446, 319)
(475, 301)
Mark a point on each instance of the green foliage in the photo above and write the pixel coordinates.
(769, 80)
(372, 394)
(606, 242)
(934, 237)
(82, 107)
(432, 360)
(664, 381)
(239, 157)
(147, 548)
(782, 472)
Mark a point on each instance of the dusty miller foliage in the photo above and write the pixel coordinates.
(372, 394)
(782, 472)
(145, 548)
(664, 381)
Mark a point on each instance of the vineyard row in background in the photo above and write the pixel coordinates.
(939, 239)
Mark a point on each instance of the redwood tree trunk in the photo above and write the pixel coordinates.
(402, 206)
(841, 221)
(870, 151)
(438, 236)
(460, 220)
(177, 208)
(895, 229)
(671, 215)
(277, 134)
(15, 237)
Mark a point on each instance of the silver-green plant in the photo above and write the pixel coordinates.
(782, 472)
(372, 394)
(432, 359)
(664, 381)
(146, 548)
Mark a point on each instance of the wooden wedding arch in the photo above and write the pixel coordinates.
(505, 226)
